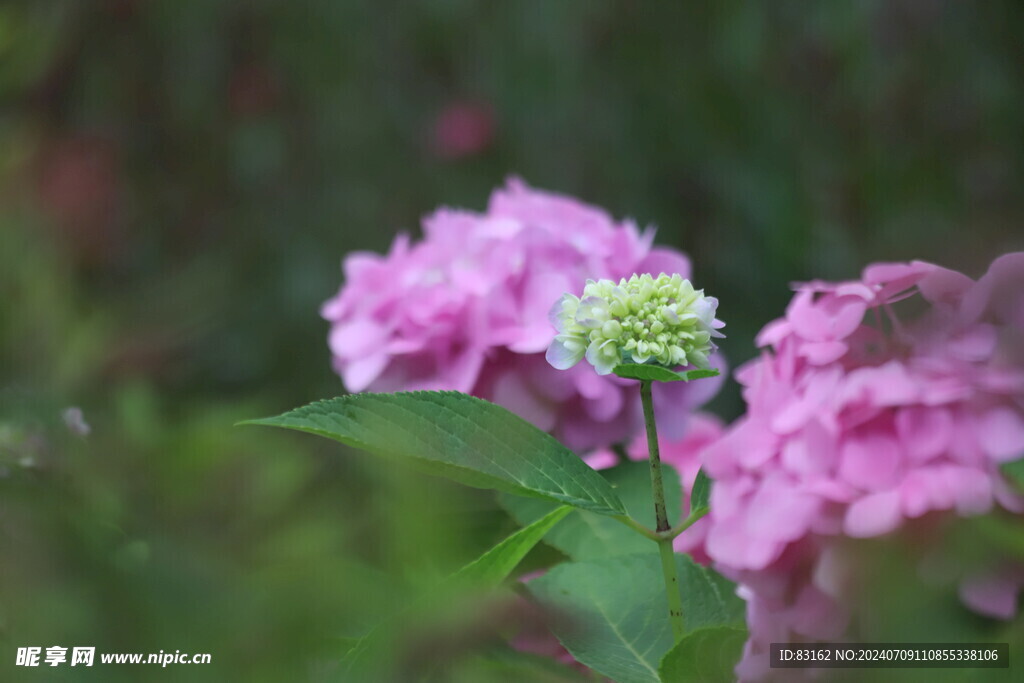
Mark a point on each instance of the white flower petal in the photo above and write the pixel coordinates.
(564, 352)
(563, 312)
(698, 359)
(592, 312)
(603, 355)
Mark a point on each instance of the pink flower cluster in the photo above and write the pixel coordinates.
(859, 419)
(467, 307)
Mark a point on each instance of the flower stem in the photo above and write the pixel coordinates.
(686, 523)
(655, 457)
(668, 561)
(675, 600)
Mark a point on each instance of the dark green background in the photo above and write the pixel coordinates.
(179, 181)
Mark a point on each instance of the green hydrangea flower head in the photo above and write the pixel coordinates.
(644, 319)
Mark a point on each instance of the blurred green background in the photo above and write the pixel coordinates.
(179, 181)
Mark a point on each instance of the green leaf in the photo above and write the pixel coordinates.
(507, 664)
(1004, 535)
(460, 437)
(706, 655)
(345, 644)
(363, 656)
(616, 620)
(701, 492)
(496, 564)
(1014, 471)
(487, 571)
(616, 616)
(709, 599)
(587, 536)
(659, 373)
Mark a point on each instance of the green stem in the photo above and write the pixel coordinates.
(662, 535)
(638, 527)
(668, 560)
(655, 457)
(686, 523)
(675, 600)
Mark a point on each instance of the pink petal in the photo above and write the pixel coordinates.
(356, 338)
(668, 261)
(832, 490)
(816, 615)
(812, 451)
(541, 290)
(823, 353)
(976, 343)
(937, 488)
(873, 515)
(808, 320)
(846, 313)
(944, 286)
(974, 495)
(360, 374)
(870, 462)
(729, 496)
(601, 460)
(924, 432)
(892, 385)
(774, 332)
(532, 338)
(993, 594)
(606, 405)
(915, 494)
(780, 511)
(879, 273)
(895, 277)
(1001, 434)
(513, 393)
(729, 544)
(794, 415)
(460, 373)
(754, 443)
(999, 292)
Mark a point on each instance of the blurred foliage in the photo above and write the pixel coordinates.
(179, 180)
(908, 591)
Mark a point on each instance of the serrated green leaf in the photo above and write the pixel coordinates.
(460, 437)
(496, 564)
(659, 373)
(487, 571)
(616, 616)
(701, 492)
(588, 536)
(706, 655)
(615, 620)
(709, 599)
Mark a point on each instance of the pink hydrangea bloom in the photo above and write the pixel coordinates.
(858, 420)
(467, 308)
